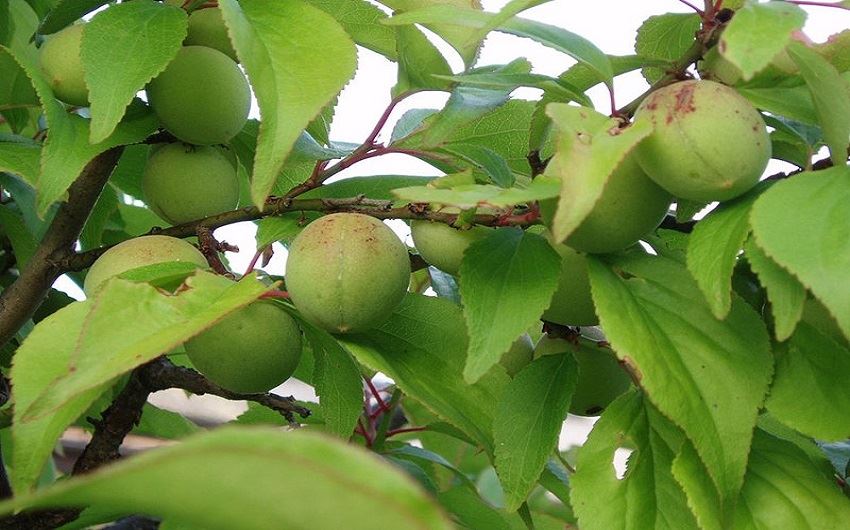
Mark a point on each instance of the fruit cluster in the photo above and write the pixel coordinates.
(347, 272)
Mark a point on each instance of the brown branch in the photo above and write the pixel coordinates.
(280, 205)
(20, 300)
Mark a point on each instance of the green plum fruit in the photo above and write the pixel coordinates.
(631, 206)
(206, 28)
(182, 183)
(572, 303)
(139, 252)
(442, 245)
(346, 272)
(250, 351)
(708, 144)
(520, 354)
(601, 379)
(202, 97)
(62, 65)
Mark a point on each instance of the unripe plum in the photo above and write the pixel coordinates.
(520, 354)
(572, 303)
(708, 144)
(600, 378)
(206, 28)
(182, 183)
(202, 97)
(139, 252)
(631, 205)
(251, 350)
(442, 245)
(347, 272)
(62, 65)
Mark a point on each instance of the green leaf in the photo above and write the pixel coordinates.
(161, 423)
(143, 37)
(708, 376)
(713, 250)
(557, 88)
(422, 347)
(23, 22)
(487, 159)
(472, 195)
(792, 102)
(783, 490)
(297, 58)
(378, 187)
(703, 498)
(362, 21)
(15, 87)
(179, 483)
(528, 422)
(811, 375)
(106, 205)
(648, 495)
(831, 97)
(758, 33)
(417, 454)
(23, 243)
(20, 158)
(666, 37)
(418, 62)
(816, 251)
(590, 147)
(508, 279)
(473, 512)
(337, 380)
(66, 12)
(787, 295)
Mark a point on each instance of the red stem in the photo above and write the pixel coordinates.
(361, 430)
(275, 293)
(254, 261)
(404, 430)
(381, 405)
(695, 8)
(382, 121)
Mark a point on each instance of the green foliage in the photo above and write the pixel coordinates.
(562, 280)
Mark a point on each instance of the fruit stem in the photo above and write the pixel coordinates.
(275, 294)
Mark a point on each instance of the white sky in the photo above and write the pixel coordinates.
(610, 24)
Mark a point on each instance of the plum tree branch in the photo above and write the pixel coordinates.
(20, 300)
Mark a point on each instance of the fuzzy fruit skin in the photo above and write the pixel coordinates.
(62, 65)
(572, 303)
(631, 206)
(347, 272)
(520, 354)
(206, 28)
(442, 245)
(250, 351)
(709, 143)
(182, 183)
(601, 380)
(202, 97)
(139, 252)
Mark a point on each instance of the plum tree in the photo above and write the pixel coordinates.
(251, 350)
(193, 108)
(138, 252)
(600, 378)
(631, 205)
(63, 67)
(519, 355)
(206, 28)
(708, 144)
(182, 183)
(442, 245)
(346, 272)
(572, 303)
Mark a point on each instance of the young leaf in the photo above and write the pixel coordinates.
(587, 153)
(831, 97)
(422, 347)
(337, 380)
(786, 294)
(758, 33)
(713, 250)
(419, 62)
(507, 281)
(708, 376)
(817, 252)
(143, 37)
(810, 391)
(647, 496)
(783, 489)
(666, 37)
(297, 58)
(528, 422)
(362, 21)
(287, 471)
